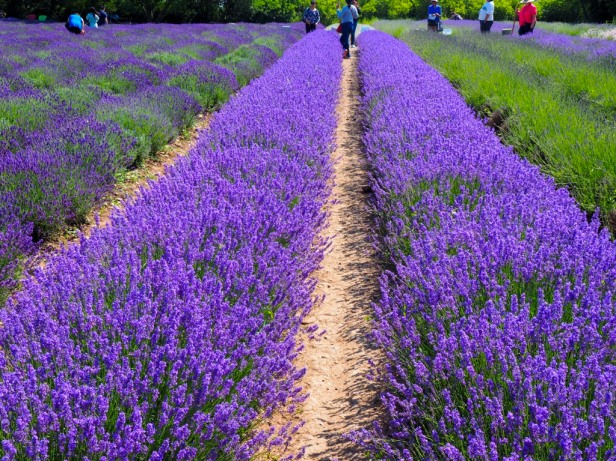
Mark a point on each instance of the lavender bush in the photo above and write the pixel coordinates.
(75, 111)
(498, 315)
(593, 48)
(15, 241)
(170, 333)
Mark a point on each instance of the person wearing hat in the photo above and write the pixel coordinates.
(486, 17)
(311, 17)
(527, 17)
(434, 16)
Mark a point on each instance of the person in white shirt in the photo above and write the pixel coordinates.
(486, 17)
(355, 11)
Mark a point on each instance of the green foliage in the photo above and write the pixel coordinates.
(576, 30)
(556, 109)
(278, 10)
(272, 42)
(243, 61)
(79, 98)
(39, 78)
(291, 10)
(209, 95)
(151, 132)
(110, 83)
(169, 58)
(28, 114)
(560, 10)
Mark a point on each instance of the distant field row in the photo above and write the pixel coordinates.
(498, 313)
(77, 111)
(555, 106)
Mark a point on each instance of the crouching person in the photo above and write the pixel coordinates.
(75, 24)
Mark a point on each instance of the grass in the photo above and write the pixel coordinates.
(243, 61)
(576, 30)
(555, 109)
(170, 58)
(209, 95)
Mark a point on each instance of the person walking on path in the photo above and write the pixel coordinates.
(486, 17)
(311, 17)
(92, 18)
(527, 17)
(346, 23)
(103, 16)
(75, 24)
(434, 16)
(355, 11)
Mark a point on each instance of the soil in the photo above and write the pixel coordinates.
(341, 399)
(127, 188)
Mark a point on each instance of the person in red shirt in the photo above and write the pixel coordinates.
(528, 17)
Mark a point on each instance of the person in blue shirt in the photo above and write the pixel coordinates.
(434, 16)
(103, 17)
(75, 24)
(346, 22)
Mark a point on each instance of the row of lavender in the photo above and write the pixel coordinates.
(75, 111)
(592, 48)
(170, 333)
(499, 317)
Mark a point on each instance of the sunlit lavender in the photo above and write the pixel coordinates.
(76, 111)
(498, 317)
(171, 333)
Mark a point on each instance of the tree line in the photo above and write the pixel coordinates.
(181, 11)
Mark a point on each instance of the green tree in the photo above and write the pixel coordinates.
(278, 10)
(291, 10)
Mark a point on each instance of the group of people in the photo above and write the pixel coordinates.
(95, 18)
(527, 17)
(348, 16)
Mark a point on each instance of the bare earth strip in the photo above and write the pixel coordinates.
(341, 399)
(126, 189)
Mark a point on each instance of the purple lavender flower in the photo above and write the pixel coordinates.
(169, 333)
(498, 317)
(75, 111)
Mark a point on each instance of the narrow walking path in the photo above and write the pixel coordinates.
(341, 399)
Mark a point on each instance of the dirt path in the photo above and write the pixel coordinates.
(341, 398)
(127, 188)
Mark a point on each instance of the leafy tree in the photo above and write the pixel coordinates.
(278, 10)
(291, 10)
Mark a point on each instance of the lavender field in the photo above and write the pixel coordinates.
(498, 314)
(176, 331)
(553, 102)
(171, 333)
(76, 111)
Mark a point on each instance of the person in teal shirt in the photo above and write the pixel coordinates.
(434, 16)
